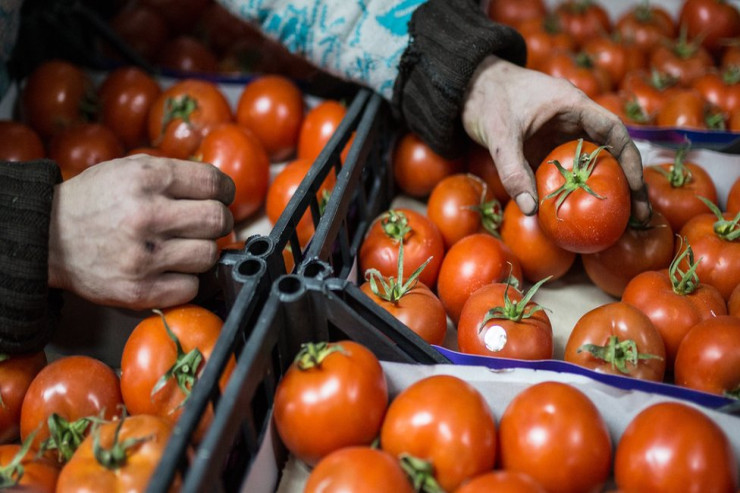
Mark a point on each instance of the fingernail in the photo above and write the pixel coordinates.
(526, 203)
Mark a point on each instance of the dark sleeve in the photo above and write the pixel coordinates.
(447, 41)
(28, 308)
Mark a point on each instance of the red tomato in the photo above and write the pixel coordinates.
(671, 446)
(220, 29)
(19, 142)
(722, 90)
(480, 163)
(317, 127)
(150, 151)
(580, 69)
(503, 481)
(688, 109)
(646, 25)
(715, 240)
(445, 421)
(578, 219)
(733, 304)
(126, 95)
(618, 339)
(498, 320)
(712, 21)
(187, 54)
(730, 57)
(674, 189)
(238, 153)
(284, 186)
(538, 256)
(334, 395)
(460, 205)
(733, 198)
(183, 113)
(180, 15)
(682, 59)
(642, 247)
(32, 473)
(57, 94)
(471, 263)
(421, 240)
(543, 36)
(359, 470)
(583, 20)
(151, 353)
(555, 434)
(16, 374)
(649, 89)
(417, 168)
(628, 110)
(272, 107)
(143, 437)
(708, 358)
(75, 388)
(142, 28)
(514, 13)
(733, 123)
(78, 147)
(610, 55)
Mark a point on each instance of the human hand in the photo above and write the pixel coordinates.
(135, 232)
(520, 115)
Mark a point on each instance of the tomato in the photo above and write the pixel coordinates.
(688, 109)
(675, 300)
(78, 147)
(580, 69)
(715, 239)
(555, 434)
(646, 26)
(238, 153)
(471, 263)
(75, 388)
(649, 89)
(480, 163)
(722, 90)
(460, 205)
(712, 21)
(180, 15)
(538, 256)
(731, 56)
(272, 107)
(334, 395)
(143, 439)
(417, 168)
(627, 109)
(56, 95)
(183, 113)
(421, 240)
(142, 28)
(733, 123)
(16, 374)
(733, 304)
(446, 422)
(514, 13)
(585, 205)
(583, 20)
(642, 247)
(187, 54)
(126, 94)
(220, 29)
(610, 55)
(674, 189)
(158, 373)
(617, 339)
(19, 142)
(150, 151)
(671, 446)
(359, 470)
(504, 481)
(498, 320)
(543, 36)
(685, 60)
(284, 186)
(733, 198)
(318, 125)
(32, 473)
(708, 358)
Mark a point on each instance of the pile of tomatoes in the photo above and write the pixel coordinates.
(335, 414)
(647, 66)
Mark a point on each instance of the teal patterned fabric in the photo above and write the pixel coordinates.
(9, 20)
(359, 40)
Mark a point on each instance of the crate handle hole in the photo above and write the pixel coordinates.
(316, 270)
(249, 267)
(258, 247)
(290, 284)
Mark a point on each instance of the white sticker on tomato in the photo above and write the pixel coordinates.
(495, 338)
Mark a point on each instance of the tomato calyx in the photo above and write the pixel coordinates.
(583, 166)
(178, 108)
(678, 175)
(643, 13)
(395, 225)
(661, 80)
(684, 283)
(684, 48)
(116, 455)
(312, 354)
(635, 112)
(514, 310)
(65, 437)
(394, 288)
(731, 75)
(12, 472)
(618, 353)
(185, 368)
(733, 394)
(578, 6)
(491, 213)
(421, 474)
(725, 229)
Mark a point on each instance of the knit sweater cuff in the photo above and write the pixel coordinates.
(28, 308)
(448, 39)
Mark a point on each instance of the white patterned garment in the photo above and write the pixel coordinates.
(359, 40)
(10, 11)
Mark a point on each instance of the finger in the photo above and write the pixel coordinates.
(186, 256)
(198, 219)
(515, 172)
(161, 291)
(197, 180)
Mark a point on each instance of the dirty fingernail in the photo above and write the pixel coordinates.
(526, 203)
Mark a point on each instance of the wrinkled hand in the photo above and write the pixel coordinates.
(520, 115)
(135, 232)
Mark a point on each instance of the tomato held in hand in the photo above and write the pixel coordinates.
(417, 168)
(25, 471)
(19, 142)
(334, 395)
(359, 470)
(555, 434)
(163, 358)
(237, 152)
(445, 422)
(617, 339)
(16, 374)
(671, 446)
(498, 320)
(317, 127)
(584, 197)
